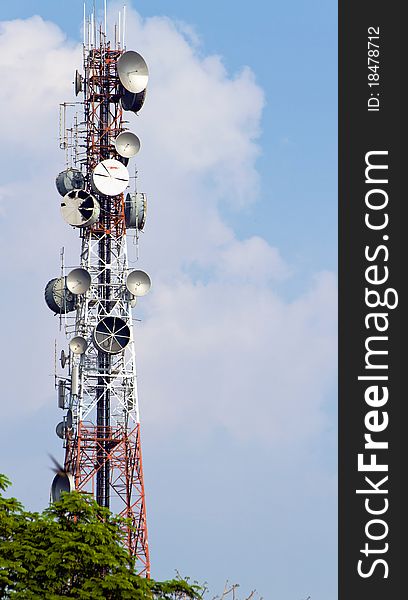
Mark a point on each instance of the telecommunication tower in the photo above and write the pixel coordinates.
(96, 378)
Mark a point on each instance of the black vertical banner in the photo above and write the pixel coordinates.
(373, 272)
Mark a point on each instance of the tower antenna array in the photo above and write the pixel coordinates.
(96, 378)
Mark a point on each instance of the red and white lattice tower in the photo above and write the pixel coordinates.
(97, 380)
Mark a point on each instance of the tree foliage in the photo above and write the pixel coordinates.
(72, 550)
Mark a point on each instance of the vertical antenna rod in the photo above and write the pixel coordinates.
(84, 25)
(124, 26)
(104, 25)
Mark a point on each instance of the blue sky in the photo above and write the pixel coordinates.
(292, 48)
(241, 469)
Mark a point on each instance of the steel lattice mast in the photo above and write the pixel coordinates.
(97, 385)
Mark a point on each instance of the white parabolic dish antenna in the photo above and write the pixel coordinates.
(78, 281)
(138, 283)
(80, 209)
(110, 177)
(78, 345)
(127, 144)
(133, 72)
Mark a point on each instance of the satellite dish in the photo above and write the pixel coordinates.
(78, 345)
(78, 281)
(110, 177)
(68, 419)
(138, 283)
(58, 298)
(132, 102)
(78, 83)
(68, 180)
(80, 209)
(111, 335)
(132, 71)
(63, 359)
(135, 211)
(61, 430)
(62, 482)
(127, 144)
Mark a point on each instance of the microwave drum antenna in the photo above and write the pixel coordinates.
(111, 335)
(62, 482)
(61, 430)
(68, 180)
(57, 296)
(132, 102)
(80, 209)
(135, 210)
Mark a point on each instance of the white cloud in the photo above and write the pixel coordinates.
(239, 357)
(201, 122)
(219, 346)
(36, 62)
(234, 378)
(251, 260)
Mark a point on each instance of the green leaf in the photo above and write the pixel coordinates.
(72, 550)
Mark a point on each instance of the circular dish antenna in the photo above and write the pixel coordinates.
(133, 72)
(127, 144)
(78, 281)
(80, 209)
(111, 335)
(68, 180)
(62, 482)
(63, 359)
(110, 177)
(68, 419)
(58, 298)
(61, 430)
(132, 102)
(135, 211)
(138, 283)
(78, 83)
(78, 345)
